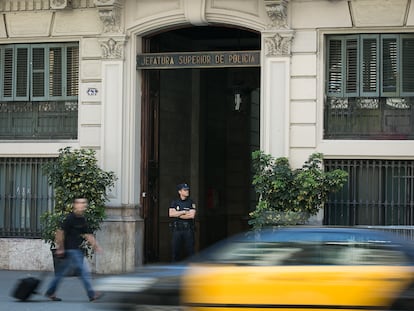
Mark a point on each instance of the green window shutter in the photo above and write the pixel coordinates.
(7, 73)
(390, 65)
(56, 71)
(369, 65)
(407, 65)
(351, 68)
(335, 68)
(72, 71)
(21, 72)
(39, 73)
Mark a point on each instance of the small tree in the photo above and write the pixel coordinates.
(289, 197)
(76, 173)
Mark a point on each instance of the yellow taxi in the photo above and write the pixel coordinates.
(284, 269)
(303, 269)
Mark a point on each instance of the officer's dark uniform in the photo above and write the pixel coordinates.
(183, 229)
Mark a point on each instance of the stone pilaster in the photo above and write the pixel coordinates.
(276, 41)
(122, 231)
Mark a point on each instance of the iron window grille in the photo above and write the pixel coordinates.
(377, 193)
(24, 196)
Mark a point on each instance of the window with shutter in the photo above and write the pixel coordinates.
(335, 74)
(390, 68)
(7, 82)
(72, 71)
(38, 73)
(351, 50)
(38, 84)
(407, 66)
(22, 72)
(369, 65)
(370, 87)
(55, 71)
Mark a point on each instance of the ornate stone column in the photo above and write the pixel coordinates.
(119, 235)
(276, 41)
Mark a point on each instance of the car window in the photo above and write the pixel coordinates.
(309, 253)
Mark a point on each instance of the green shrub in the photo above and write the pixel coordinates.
(75, 173)
(290, 197)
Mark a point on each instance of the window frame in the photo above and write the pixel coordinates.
(30, 71)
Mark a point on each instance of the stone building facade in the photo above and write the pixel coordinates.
(291, 91)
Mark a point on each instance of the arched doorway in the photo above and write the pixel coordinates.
(199, 125)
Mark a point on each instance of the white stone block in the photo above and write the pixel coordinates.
(303, 136)
(91, 70)
(35, 149)
(90, 114)
(90, 92)
(245, 6)
(145, 8)
(369, 13)
(90, 136)
(303, 88)
(90, 48)
(29, 254)
(3, 33)
(77, 22)
(303, 65)
(304, 42)
(320, 13)
(410, 17)
(303, 112)
(298, 156)
(28, 24)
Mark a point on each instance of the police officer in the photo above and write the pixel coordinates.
(182, 211)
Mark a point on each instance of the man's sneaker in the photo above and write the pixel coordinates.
(96, 297)
(53, 297)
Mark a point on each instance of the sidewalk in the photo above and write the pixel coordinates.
(70, 290)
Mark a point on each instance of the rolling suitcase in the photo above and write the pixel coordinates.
(25, 288)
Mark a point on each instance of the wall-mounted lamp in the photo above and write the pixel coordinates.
(237, 101)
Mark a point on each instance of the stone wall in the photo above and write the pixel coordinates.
(25, 254)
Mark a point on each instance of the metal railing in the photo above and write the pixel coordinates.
(24, 196)
(369, 118)
(39, 120)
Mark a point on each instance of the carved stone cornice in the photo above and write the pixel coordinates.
(113, 47)
(37, 5)
(110, 15)
(277, 10)
(279, 44)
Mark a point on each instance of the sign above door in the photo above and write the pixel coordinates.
(198, 59)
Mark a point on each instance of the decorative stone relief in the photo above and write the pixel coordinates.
(279, 44)
(278, 36)
(277, 12)
(110, 14)
(60, 4)
(112, 48)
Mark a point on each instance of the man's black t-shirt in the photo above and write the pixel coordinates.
(74, 227)
(183, 205)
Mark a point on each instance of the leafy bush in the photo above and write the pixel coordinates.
(75, 173)
(290, 197)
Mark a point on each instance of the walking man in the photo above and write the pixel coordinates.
(69, 238)
(182, 211)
